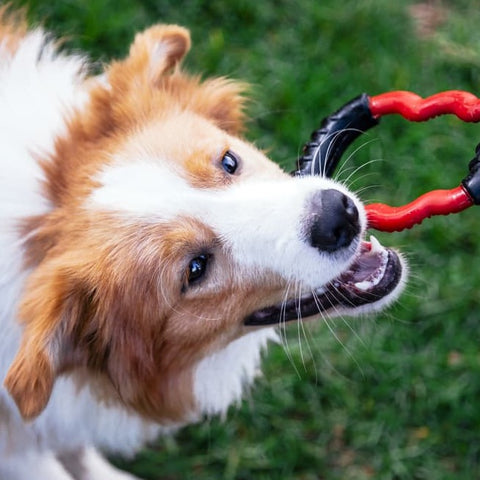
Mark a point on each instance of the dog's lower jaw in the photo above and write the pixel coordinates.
(373, 280)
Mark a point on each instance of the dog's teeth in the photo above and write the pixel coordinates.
(376, 245)
(365, 285)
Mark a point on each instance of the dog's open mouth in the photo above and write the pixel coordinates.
(375, 274)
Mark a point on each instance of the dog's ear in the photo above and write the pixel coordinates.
(50, 302)
(222, 100)
(30, 379)
(156, 50)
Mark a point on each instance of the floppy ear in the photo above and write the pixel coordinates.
(31, 376)
(30, 379)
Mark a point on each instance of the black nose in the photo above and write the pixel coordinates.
(335, 222)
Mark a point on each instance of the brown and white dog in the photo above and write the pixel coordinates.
(147, 252)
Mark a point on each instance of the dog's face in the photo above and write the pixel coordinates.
(170, 237)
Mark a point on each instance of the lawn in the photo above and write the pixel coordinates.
(390, 397)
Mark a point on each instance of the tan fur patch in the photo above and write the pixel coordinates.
(13, 27)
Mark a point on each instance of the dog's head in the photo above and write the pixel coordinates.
(171, 237)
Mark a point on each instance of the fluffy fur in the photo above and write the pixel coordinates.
(110, 186)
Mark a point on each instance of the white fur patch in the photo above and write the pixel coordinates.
(37, 88)
(222, 377)
(259, 220)
(32, 466)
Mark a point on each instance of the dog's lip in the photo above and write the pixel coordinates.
(372, 276)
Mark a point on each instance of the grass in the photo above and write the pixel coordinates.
(392, 397)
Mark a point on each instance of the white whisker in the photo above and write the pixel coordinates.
(309, 346)
(333, 332)
(353, 153)
(298, 301)
(283, 331)
(356, 170)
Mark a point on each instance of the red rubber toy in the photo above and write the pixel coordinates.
(323, 152)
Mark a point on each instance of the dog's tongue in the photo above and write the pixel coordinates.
(368, 270)
(373, 275)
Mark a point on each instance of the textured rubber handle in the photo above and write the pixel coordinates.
(337, 131)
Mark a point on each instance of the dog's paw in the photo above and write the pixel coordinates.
(88, 464)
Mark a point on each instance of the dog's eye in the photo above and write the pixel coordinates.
(197, 268)
(230, 162)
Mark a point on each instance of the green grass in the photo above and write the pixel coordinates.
(392, 397)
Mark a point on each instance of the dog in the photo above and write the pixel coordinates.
(148, 251)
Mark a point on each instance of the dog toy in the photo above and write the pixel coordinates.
(337, 131)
